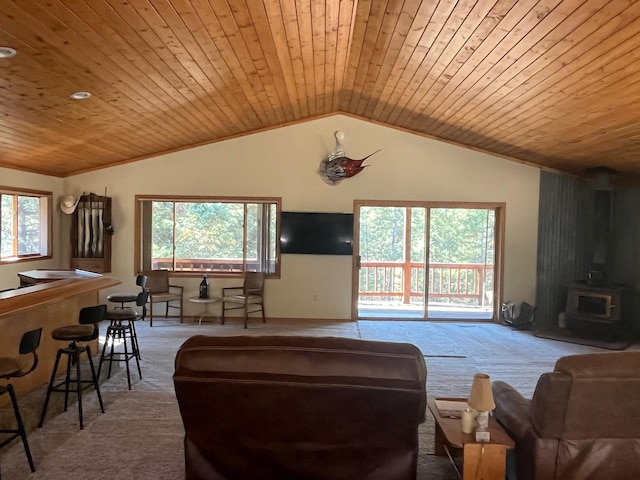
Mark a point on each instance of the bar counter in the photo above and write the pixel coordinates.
(54, 299)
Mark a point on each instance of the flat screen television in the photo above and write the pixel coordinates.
(316, 233)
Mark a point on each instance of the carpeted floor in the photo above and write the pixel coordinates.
(140, 435)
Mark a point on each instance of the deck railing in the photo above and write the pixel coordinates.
(221, 265)
(463, 282)
(386, 281)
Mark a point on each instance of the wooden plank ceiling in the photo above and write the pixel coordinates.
(551, 82)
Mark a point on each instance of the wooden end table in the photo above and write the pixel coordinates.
(205, 302)
(486, 460)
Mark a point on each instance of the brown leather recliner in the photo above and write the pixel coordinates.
(283, 408)
(583, 421)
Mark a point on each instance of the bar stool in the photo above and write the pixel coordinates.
(85, 331)
(14, 368)
(141, 303)
(122, 298)
(119, 332)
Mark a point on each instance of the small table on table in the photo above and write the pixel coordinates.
(479, 459)
(205, 302)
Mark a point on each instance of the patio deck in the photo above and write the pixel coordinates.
(438, 311)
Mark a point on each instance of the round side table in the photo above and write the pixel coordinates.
(205, 302)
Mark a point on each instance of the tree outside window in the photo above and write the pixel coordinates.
(208, 235)
(25, 224)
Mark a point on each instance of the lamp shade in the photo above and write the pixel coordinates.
(481, 398)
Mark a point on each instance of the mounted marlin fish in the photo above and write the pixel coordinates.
(338, 166)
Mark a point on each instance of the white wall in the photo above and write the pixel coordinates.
(32, 181)
(284, 162)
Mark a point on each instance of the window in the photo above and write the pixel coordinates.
(26, 224)
(207, 234)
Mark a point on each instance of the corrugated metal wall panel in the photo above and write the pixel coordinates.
(564, 241)
(626, 246)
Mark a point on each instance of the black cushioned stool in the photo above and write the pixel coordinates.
(122, 298)
(122, 329)
(13, 368)
(85, 331)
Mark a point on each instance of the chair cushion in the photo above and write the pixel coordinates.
(121, 314)
(164, 297)
(243, 299)
(122, 297)
(9, 367)
(73, 332)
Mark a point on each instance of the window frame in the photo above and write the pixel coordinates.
(139, 227)
(46, 223)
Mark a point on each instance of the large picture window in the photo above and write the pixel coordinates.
(26, 224)
(208, 234)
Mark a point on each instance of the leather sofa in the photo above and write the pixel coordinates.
(280, 408)
(583, 421)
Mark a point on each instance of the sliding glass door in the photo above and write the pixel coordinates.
(424, 261)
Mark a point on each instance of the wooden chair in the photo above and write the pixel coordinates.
(160, 290)
(249, 295)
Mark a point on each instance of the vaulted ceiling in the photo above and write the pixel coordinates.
(554, 83)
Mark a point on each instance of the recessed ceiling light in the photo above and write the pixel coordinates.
(80, 95)
(6, 52)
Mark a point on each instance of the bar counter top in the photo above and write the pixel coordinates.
(51, 286)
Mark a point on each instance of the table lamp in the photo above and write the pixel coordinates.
(481, 399)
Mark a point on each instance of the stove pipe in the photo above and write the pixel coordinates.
(601, 254)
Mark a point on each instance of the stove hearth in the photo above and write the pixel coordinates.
(597, 311)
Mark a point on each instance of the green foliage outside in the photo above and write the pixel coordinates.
(458, 235)
(202, 230)
(27, 210)
(462, 235)
(7, 235)
(214, 231)
(211, 230)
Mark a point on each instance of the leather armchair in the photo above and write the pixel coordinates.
(274, 408)
(583, 421)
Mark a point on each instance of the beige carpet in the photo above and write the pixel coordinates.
(140, 435)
